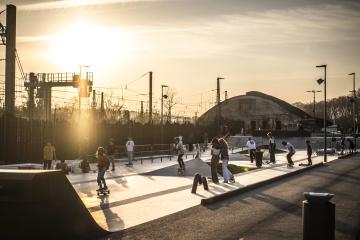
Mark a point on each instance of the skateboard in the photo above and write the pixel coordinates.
(181, 171)
(103, 192)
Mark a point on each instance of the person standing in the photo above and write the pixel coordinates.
(224, 151)
(291, 152)
(103, 164)
(49, 154)
(342, 145)
(309, 152)
(179, 147)
(272, 147)
(351, 146)
(251, 145)
(111, 152)
(215, 157)
(130, 145)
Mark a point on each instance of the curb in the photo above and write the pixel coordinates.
(347, 155)
(207, 201)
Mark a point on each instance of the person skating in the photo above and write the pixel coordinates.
(49, 154)
(224, 152)
(103, 164)
(272, 147)
(111, 152)
(215, 157)
(291, 152)
(251, 145)
(130, 150)
(179, 148)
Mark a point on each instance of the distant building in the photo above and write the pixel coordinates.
(259, 111)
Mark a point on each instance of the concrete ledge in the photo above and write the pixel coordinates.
(207, 201)
(347, 155)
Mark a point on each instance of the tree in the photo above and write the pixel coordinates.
(170, 102)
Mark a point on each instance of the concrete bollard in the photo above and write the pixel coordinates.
(318, 216)
(205, 184)
(197, 180)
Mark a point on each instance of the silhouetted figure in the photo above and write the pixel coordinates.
(215, 157)
(111, 152)
(62, 165)
(309, 151)
(179, 148)
(224, 151)
(351, 145)
(272, 147)
(49, 154)
(251, 145)
(103, 164)
(291, 152)
(85, 166)
(130, 145)
(342, 145)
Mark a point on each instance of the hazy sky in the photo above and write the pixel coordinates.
(271, 46)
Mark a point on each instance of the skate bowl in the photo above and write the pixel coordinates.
(37, 204)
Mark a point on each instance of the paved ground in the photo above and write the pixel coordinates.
(150, 191)
(269, 212)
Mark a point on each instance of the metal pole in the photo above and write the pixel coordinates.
(325, 115)
(314, 104)
(218, 104)
(10, 59)
(162, 103)
(354, 109)
(150, 97)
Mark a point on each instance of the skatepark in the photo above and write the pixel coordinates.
(144, 192)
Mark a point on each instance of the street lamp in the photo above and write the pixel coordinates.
(354, 108)
(320, 81)
(162, 102)
(314, 92)
(218, 104)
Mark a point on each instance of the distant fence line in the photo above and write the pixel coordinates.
(22, 140)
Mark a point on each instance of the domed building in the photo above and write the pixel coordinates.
(258, 111)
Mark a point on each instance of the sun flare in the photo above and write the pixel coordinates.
(86, 43)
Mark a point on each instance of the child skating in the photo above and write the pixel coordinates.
(179, 147)
(291, 152)
(103, 164)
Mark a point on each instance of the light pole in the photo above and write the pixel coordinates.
(218, 104)
(320, 81)
(162, 111)
(162, 102)
(314, 92)
(354, 108)
(80, 86)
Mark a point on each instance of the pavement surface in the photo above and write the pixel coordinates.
(269, 212)
(152, 190)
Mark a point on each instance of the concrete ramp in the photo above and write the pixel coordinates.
(192, 166)
(37, 204)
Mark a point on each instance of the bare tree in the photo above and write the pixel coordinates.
(170, 102)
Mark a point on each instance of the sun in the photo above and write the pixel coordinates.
(85, 43)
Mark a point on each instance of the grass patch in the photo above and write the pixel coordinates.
(234, 169)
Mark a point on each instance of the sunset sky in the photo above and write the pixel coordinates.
(271, 46)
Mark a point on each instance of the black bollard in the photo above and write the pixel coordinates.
(197, 179)
(318, 216)
(204, 181)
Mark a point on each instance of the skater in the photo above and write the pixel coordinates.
(251, 145)
(111, 152)
(103, 164)
(291, 152)
(179, 148)
(62, 165)
(272, 147)
(130, 150)
(49, 154)
(215, 157)
(342, 145)
(224, 151)
(351, 146)
(309, 152)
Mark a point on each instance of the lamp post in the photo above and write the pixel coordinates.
(162, 111)
(162, 102)
(320, 81)
(354, 108)
(218, 104)
(80, 82)
(314, 92)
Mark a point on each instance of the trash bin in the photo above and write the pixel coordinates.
(318, 216)
(258, 158)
